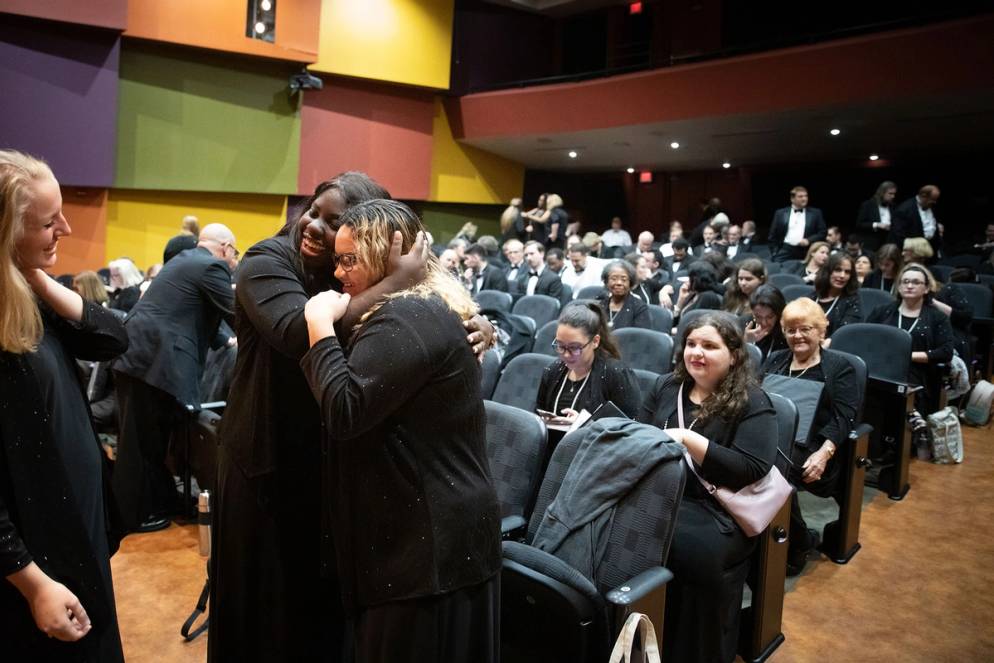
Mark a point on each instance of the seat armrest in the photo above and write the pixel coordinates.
(639, 587)
(891, 387)
(860, 431)
(512, 525)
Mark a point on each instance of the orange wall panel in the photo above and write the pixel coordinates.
(86, 211)
(220, 25)
(101, 13)
(382, 130)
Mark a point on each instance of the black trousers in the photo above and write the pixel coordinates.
(143, 484)
(462, 626)
(789, 252)
(826, 486)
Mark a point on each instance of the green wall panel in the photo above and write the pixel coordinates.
(444, 220)
(196, 121)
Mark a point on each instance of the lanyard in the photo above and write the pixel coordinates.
(572, 405)
(900, 322)
(832, 307)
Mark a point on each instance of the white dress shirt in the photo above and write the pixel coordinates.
(795, 227)
(533, 279)
(731, 251)
(928, 222)
(591, 275)
(884, 217)
(614, 237)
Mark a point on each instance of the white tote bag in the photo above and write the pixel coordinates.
(622, 652)
(947, 437)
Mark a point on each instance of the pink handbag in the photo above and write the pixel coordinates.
(752, 507)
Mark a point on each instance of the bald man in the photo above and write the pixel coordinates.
(158, 378)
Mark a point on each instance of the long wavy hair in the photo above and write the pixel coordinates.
(373, 224)
(737, 301)
(20, 320)
(588, 316)
(731, 395)
(823, 280)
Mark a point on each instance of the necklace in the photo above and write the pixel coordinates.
(612, 314)
(566, 379)
(832, 307)
(900, 321)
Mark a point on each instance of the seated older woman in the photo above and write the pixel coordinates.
(414, 514)
(713, 406)
(813, 464)
(836, 291)
(588, 373)
(622, 308)
(931, 337)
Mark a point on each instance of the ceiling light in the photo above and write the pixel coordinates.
(726, 165)
(675, 145)
(573, 154)
(630, 170)
(266, 5)
(835, 132)
(874, 157)
(260, 27)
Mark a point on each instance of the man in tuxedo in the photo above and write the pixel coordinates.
(158, 378)
(915, 217)
(734, 242)
(874, 217)
(709, 242)
(555, 260)
(480, 274)
(681, 257)
(748, 235)
(834, 238)
(514, 252)
(795, 227)
(537, 279)
(646, 242)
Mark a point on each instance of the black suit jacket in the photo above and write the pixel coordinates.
(493, 279)
(548, 283)
(172, 325)
(689, 260)
(715, 248)
(814, 226)
(907, 222)
(869, 213)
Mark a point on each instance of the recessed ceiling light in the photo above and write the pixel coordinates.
(266, 5)
(573, 154)
(630, 170)
(835, 132)
(260, 27)
(726, 165)
(675, 145)
(874, 157)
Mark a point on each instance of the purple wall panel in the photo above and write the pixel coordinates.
(60, 97)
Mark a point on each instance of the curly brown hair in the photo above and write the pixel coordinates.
(731, 396)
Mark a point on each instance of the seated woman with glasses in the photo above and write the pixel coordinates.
(412, 508)
(813, 464)
(836, 291)
(588, 373)
(622, 308)
(931, 337)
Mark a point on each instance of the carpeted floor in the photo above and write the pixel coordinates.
(921, 589)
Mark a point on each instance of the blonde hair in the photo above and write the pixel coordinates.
(919, 246)
(20, 320)
(553, 200)
(90, 287)
(804, 311)
(813, 249)
(373, 224)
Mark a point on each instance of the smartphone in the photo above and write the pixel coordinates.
(545, 414)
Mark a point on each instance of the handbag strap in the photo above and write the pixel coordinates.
(636, 622)
(711, 488)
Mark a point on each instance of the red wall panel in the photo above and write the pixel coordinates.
(385, 131)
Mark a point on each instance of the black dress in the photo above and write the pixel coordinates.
(414, 513)
(53, 509)
(272, 599)
(710, 554)
(840, 311)
(633, 313)
(608, 380)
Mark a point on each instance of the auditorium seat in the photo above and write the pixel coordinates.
(489, 372)
(645, 348)
(745, 255)
(516, 442)
(661, 318)
(495, 300)
(540, 308)
(519, 381)
(783, 280)
(647, 380)
(755, 360)
(544, 339)
(871, 298)
(941, 272)
(792, 292)
(551, 612)
(591, 292)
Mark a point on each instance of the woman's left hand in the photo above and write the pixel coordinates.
(814, 466)
(412, 267)
(481, 335)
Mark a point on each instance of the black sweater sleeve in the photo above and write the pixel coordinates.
(273, 297)
(843, 398)
(940, 342)
(749, 455)
(623, 389)
(640, 314)
(98, 336)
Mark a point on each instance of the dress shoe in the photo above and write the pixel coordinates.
(153, 524)
(797, 558)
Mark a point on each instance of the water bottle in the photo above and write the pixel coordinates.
(204, 522)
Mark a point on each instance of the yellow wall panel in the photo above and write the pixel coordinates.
(139, 223)
(466, 174)
(401, 41)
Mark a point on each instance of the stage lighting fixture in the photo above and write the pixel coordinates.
(260, 22)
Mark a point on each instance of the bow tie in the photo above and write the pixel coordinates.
(798, 211)
(533, 273)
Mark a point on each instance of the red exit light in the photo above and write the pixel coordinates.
(645, 177)
(635, 8)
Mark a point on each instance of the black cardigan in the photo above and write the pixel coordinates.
(634, 313)
(414, 512)
(741, 451)
(37, 522)
(840, 398)
(847, 310)
(610, 380)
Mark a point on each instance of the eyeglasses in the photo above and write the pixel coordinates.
(912, 282)
(617, 278)
(573, 350)
(346, 261)
(803, 331)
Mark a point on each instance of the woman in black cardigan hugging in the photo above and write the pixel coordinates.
(622, 308)
(813, 462)
(836, 291)
(931, 338)
(413, 511)
(588, 373)
(729, 427)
